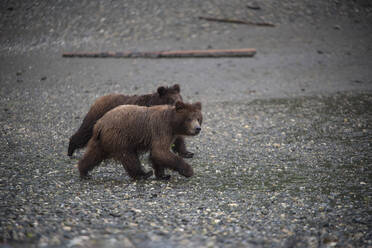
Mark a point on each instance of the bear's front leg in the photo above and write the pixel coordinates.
(180, 147)
(133, 166)
(159, 170)
(166, 159)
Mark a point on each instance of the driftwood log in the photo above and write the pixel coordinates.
(245, 52)
(213, 19)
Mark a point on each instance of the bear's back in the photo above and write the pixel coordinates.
(131, 126)
(124, 116)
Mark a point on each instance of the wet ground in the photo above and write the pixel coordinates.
(284, 158)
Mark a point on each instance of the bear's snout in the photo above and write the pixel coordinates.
(197, 130)
(195, 127)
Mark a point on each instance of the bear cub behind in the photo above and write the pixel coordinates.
(126, 131)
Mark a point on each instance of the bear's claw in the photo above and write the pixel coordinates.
(187, 154)
(85, 177)
(144, 176)
(164, 177)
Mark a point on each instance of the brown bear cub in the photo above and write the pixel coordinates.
(126, 131)
(164, 95)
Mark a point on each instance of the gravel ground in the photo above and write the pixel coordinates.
(284, 157)
(280, 172)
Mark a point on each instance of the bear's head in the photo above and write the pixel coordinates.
(188, 118)
(169, 95)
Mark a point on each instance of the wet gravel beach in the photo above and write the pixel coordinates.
(296, 173)
(284, 157)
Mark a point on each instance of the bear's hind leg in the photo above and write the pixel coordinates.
(92, 158)
(133, 166)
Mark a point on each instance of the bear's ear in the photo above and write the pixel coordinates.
(198, 105)
(162, 90)
(179, 105)
(177, 88)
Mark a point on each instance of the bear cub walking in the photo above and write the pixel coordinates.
(126, 131)
(163, 95)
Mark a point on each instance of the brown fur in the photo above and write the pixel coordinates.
(164, 95)
(128, 130)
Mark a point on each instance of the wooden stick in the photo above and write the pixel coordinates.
(245, 52)
(255, 7)
(265, 24)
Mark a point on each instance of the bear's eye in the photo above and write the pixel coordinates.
(189, 119)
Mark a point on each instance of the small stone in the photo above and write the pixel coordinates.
(357, 81)
(78, 241)
(136, 210)
(337, 27)
(115, 214)
(276, 145)
(284, 205)
(253, 5)
(216, 221)
(66, 228)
